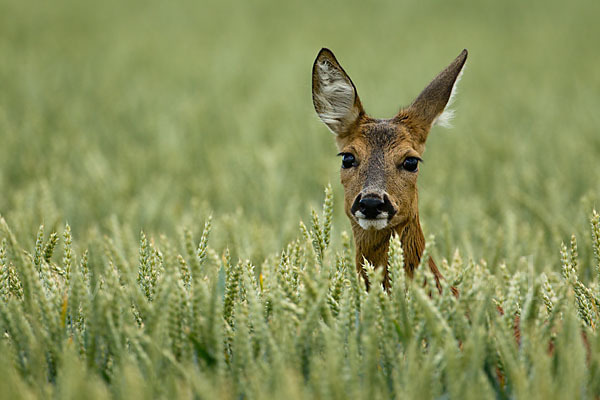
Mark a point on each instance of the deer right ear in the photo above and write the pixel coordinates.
(334, 95)
(430, 107)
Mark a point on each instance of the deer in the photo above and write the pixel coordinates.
(380, 165)
(380, 161)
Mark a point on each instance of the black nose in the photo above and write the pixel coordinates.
(371, 207)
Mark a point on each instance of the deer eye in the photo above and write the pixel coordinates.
(410, 164)
(348, 160)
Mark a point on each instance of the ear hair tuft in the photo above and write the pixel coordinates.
(446, 117)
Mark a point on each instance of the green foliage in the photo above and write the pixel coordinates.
(304, 327)
(158, 115)
(135, 121)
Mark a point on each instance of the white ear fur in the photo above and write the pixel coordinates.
(445, 118)
(335, 98)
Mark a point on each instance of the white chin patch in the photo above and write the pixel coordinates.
(377, 224)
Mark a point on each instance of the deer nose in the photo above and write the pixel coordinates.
(371, 207)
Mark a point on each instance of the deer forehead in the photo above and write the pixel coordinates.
(380, 138)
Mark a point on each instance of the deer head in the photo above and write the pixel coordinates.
(381, 157)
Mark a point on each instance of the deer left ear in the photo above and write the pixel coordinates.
(431, 106)
(334, 95)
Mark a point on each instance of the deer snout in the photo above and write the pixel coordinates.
(371, 207)
(372, 210)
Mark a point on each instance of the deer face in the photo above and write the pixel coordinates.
(380, 163)
(380, 158)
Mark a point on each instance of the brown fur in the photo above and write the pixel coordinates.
(380, 148)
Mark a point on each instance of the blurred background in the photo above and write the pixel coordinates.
(131, 115)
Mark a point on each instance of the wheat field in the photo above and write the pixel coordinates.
(157, 159)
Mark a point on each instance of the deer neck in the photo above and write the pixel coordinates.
(373, 245)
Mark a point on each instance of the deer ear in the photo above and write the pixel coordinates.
(334, 95)
(431, 106)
